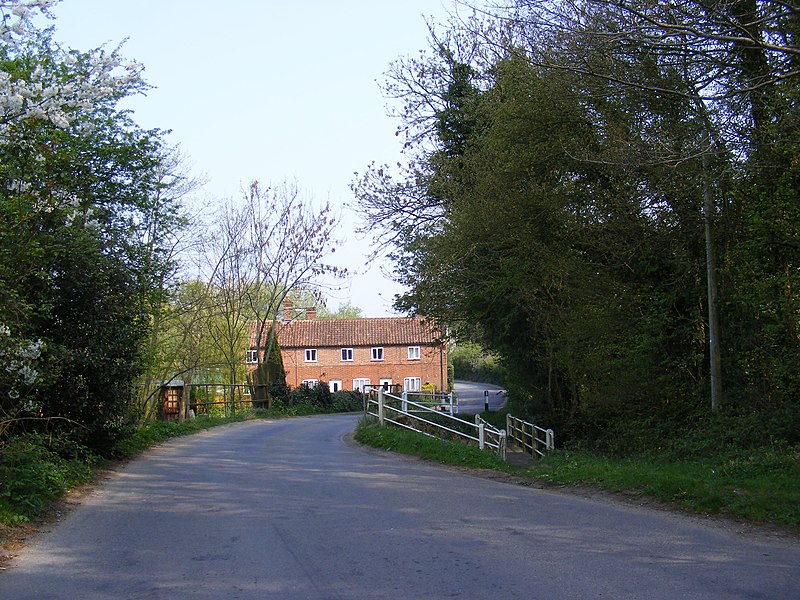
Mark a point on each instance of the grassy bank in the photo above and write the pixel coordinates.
(760, 485)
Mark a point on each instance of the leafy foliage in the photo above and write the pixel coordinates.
(81, 259)
(35, 470)
(471, 363)
(578, 191)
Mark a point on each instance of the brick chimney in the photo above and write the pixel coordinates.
(311, 313)
(288, 310)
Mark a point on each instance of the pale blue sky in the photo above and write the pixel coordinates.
(269, 90)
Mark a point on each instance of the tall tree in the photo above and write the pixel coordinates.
(735, 65)
(569, 228)
(271, 243)
(77, 183)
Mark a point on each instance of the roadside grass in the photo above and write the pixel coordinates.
(160, 431)
(36, 470)
(448, 452)
(759, 485)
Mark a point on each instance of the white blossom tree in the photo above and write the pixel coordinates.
(81, 188)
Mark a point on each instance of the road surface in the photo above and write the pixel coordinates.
(472, 397)
(288, 509)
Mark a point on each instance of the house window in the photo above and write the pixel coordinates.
(311, 355)
(377, 354)
(335, 385)
(413, 353)
(361, 385)
(310, 382)
(252, 355)
(347, 354)
(412, 384)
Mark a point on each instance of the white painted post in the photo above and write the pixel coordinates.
(551, 440)
(450, 396)
(381, 415)
(503, 442)
(481, 436)
(405, 401)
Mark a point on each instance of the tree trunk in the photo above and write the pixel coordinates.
(715, 370)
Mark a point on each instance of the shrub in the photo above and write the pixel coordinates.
(347, 402)
(35, 470)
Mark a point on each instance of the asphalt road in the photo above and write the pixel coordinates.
(472, 397)
(288, 509)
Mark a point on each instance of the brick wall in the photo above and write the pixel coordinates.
(430, 367)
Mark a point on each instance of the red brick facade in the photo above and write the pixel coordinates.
(404, 352)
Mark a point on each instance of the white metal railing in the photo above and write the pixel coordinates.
(389, 408)
(494, 438)
(531, 438)
(441, 402)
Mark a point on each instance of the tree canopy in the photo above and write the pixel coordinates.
(586, 170)
(84, 201)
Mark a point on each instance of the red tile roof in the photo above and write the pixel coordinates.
(341, 333)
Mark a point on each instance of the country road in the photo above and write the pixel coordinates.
(472, 397)
(290, 509)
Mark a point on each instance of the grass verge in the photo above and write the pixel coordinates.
(443, 451)
(760, 485)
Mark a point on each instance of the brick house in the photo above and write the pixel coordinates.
(347, 354)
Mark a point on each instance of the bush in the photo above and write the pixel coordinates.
(471, 363)
(311, 396)
(35, 470)
(347, 402)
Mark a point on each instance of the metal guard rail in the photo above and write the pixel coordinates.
(487, 436)
(531, 438)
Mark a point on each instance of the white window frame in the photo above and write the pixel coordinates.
(361, 384)
(347, 354)
(335, 385)
(386, 384)
(311, 382)
(311, 355)
(414, 353)
(252, 356)
(377, 353)
(412, 384)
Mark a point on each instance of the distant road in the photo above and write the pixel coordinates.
(290, 510)
(471, 397)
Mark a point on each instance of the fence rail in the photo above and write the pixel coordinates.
(418, 416)
(442, 402)
(494, 438)
(531, 438)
